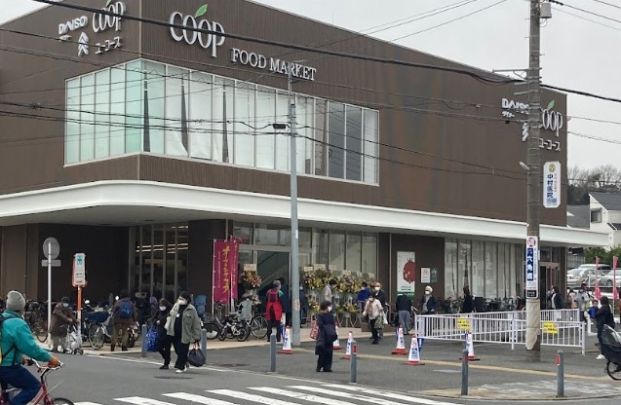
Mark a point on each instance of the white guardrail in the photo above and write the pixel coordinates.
(561, 328)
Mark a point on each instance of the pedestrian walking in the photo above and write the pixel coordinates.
(163, 340)
(325, 337)
(123, 317)
(582, 300)
(184, 327)
(603, 317)
(428, 302)
(374, 311)
(468, 304)
(381, 297)
(328, 291)
(303, 305)
(274, 310)
(62, 318)
(404, 310)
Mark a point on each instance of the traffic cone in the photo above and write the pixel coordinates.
(470, 347)
(336, 345)
(414, 356)
(286, 342)
(350, 339)
(400, 349)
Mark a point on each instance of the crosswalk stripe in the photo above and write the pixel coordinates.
(142, 401)
(86, 403)
(363, 398)
(198, 399)
(300, 395)
(251, 397)
(407, 398)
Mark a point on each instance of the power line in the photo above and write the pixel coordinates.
(485, 78)
(608, 4)
(605, 17)
(560, 10)
(450, 21)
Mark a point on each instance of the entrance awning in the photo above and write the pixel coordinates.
(122, 203)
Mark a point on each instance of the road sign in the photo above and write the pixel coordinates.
(55, 263)
(532, 267)
(55, 248)
(79, 270)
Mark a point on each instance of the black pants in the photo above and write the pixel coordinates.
(182, 350)
(374, 330)
(163, 347)
(324, 361)
(273, 324)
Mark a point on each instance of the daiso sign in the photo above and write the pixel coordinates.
(197, 31)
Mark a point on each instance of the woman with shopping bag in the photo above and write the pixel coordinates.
(374, 310)
(184, 327)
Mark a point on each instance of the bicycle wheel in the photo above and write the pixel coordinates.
(61, 401)
(258, 327)
(97, 337)
(244, 332)
(212, 330)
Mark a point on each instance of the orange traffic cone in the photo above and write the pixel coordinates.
(400, 349)
(350, 340)
(414, 356)
(286, 342)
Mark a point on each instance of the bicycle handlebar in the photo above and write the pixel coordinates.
(45, 368)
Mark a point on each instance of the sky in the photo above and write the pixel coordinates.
(579, 51)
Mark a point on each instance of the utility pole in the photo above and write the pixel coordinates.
(533, 187)
(295, 272)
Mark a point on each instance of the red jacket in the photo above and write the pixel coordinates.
(273, 305)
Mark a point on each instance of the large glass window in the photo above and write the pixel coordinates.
(477, 276)
(354, 143)
(152, 107)
(451, 280)
(492, 269)
(87, 118)
(336, 137)
(102, 117)
(176, 112)
(244, 124)
(354, 249)
(72, 125)
(134, 119)
(369, 253)
(155, 107)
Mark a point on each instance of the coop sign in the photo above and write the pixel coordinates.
(195, 30)
(551, 121)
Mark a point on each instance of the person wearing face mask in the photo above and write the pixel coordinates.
(325, 337)
(184, 327)
(62, 318)
(428, 302)
(163, 340)
(274, 310)
(374, 310)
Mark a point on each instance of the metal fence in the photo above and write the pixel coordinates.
(561, 328)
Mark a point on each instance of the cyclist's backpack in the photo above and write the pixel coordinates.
(126, 309)
(2, 319)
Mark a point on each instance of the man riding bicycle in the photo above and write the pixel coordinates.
(16, 341)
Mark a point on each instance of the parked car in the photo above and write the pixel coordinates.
(608, 279)
(586, 274)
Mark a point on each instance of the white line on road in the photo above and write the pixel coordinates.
(198, 399)
(251, 397)
(300, 395)
(86, 403)
(392, 395)
(142, 401)
(363, 398)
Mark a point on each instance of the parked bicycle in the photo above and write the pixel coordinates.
(44, 397)
(100, 333)
(234, 328)
(36, 317)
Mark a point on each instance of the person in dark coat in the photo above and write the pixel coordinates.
(603, 317)
(428, 302)
(163, 340)
(468, 305)
(62, 318)
(404, 310)
(325, 337)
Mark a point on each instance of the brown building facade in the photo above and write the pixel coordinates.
(138, 143)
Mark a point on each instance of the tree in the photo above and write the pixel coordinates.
(604, 257)
(581, 182)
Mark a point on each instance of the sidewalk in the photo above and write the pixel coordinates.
(500, 374)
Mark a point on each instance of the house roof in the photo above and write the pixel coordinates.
(615, 227)
(610, 201)
(578, 216)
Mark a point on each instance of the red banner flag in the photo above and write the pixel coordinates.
(224, 277)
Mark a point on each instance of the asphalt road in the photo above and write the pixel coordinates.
(239, 377)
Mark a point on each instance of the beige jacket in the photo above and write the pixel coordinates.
(373, 309)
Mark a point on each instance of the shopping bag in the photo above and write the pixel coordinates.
(196, 357)
(314, 332)
(150, 340)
